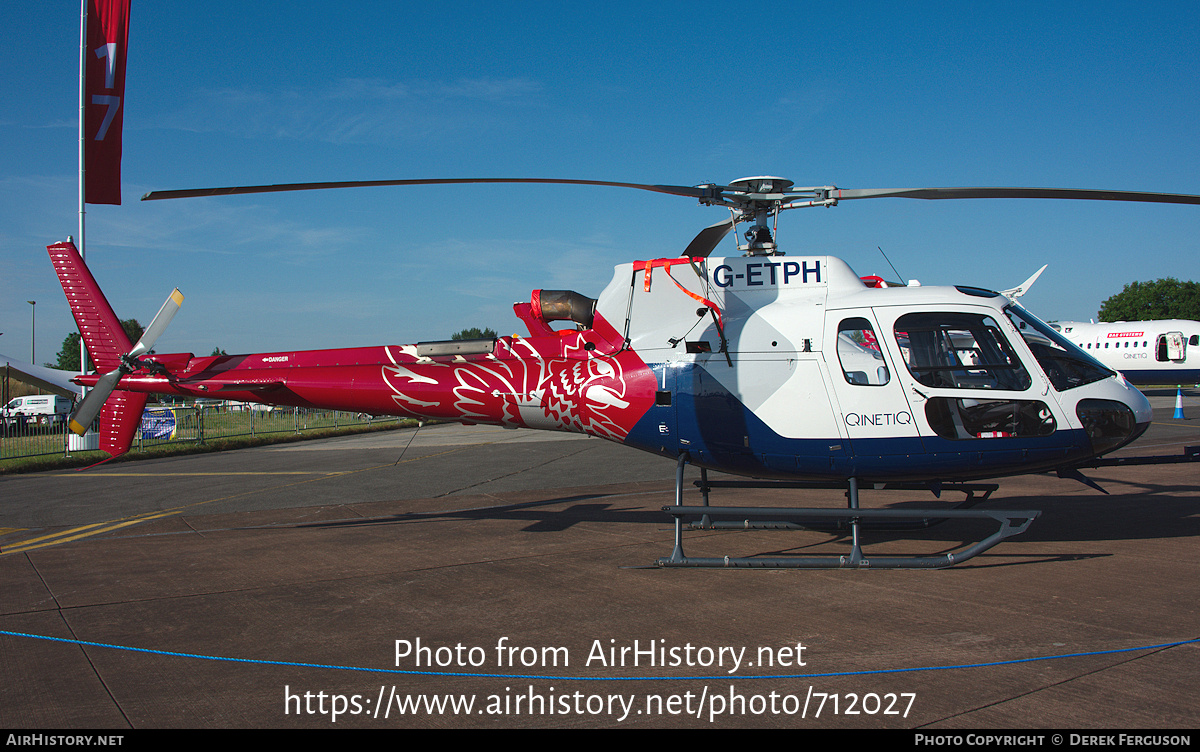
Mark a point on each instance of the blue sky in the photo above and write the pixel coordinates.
(859, 95)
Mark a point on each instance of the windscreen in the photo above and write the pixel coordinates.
(1064, 363)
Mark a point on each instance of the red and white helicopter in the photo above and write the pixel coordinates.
(784, 368)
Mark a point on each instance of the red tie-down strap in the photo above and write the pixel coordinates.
(666, 264)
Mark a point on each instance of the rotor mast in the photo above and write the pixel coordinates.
(759, 200)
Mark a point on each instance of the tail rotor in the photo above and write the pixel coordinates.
(93, 403)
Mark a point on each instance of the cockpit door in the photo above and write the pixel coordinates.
(969, 388)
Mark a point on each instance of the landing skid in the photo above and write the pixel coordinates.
(852, 518)
(915, 522)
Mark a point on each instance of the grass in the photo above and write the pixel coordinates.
(172, 449)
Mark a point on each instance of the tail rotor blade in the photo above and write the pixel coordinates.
(161, 319)
(93, 403)
(81, 420)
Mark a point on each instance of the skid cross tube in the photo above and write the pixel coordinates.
(762, 518)
(916, 522)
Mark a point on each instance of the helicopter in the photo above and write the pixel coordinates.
(783, 369)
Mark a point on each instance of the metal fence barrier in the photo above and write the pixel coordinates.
(22, 438)
(166, 424)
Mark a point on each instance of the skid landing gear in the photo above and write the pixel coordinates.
(852, 518)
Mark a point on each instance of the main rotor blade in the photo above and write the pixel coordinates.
(1074, 193)
(706, 241)
(710, 191)
(169, 308)
(677, 190)
(93, 403)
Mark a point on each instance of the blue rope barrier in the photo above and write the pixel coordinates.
(547, 677)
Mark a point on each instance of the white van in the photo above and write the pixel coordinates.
(37, 408)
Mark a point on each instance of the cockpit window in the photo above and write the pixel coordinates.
(959, 351)
(1065, 364)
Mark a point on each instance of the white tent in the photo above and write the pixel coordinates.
(50, 379)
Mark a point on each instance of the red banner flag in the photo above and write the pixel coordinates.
(104, 95)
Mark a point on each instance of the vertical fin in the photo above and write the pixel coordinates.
(119, 421)
(100, 328)
(106, 342)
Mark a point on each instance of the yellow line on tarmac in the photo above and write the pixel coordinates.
(66, 536)
(55, 535)
(85, 531)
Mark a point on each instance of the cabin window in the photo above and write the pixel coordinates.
(959, 351)
(860, 355)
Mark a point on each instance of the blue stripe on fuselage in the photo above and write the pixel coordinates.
(719, 432)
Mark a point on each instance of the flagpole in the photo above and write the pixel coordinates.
(82, 245)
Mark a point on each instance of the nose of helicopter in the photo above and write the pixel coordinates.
(1113, 414)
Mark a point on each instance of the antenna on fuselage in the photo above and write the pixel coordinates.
(1016, 292)
(885, 258)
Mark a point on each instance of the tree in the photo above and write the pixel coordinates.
(68, 356)
(474, 333)
(218, 351)
(1161, 299)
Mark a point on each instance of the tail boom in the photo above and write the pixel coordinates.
(552, 382)
(583, 380)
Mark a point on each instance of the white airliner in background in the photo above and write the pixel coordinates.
(1145, 352)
